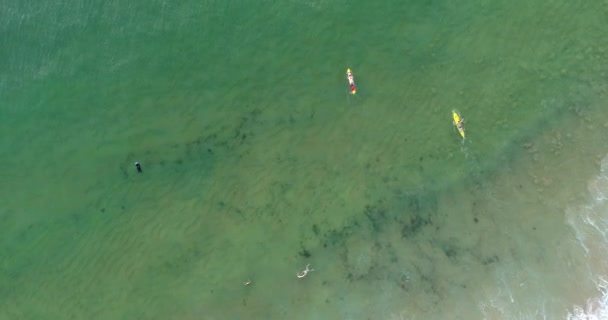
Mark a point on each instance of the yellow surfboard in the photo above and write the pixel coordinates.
(458, 123)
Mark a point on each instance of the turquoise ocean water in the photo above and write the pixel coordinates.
(257, 161)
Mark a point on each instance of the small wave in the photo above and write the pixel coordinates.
(596, 308)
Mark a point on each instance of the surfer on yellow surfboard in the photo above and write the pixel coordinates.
(458, 123)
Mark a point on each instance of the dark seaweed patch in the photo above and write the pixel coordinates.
(404, 282)
(449, 250)
(411, 228)
(489, 260)
(420, 209)
(304, 253)
(335, 237)
(413, 204)
(376, 215)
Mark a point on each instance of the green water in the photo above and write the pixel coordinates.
(256, 159)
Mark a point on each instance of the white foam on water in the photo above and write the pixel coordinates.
(590, 223)
(576, 290)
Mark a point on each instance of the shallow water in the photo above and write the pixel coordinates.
(257, 161)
